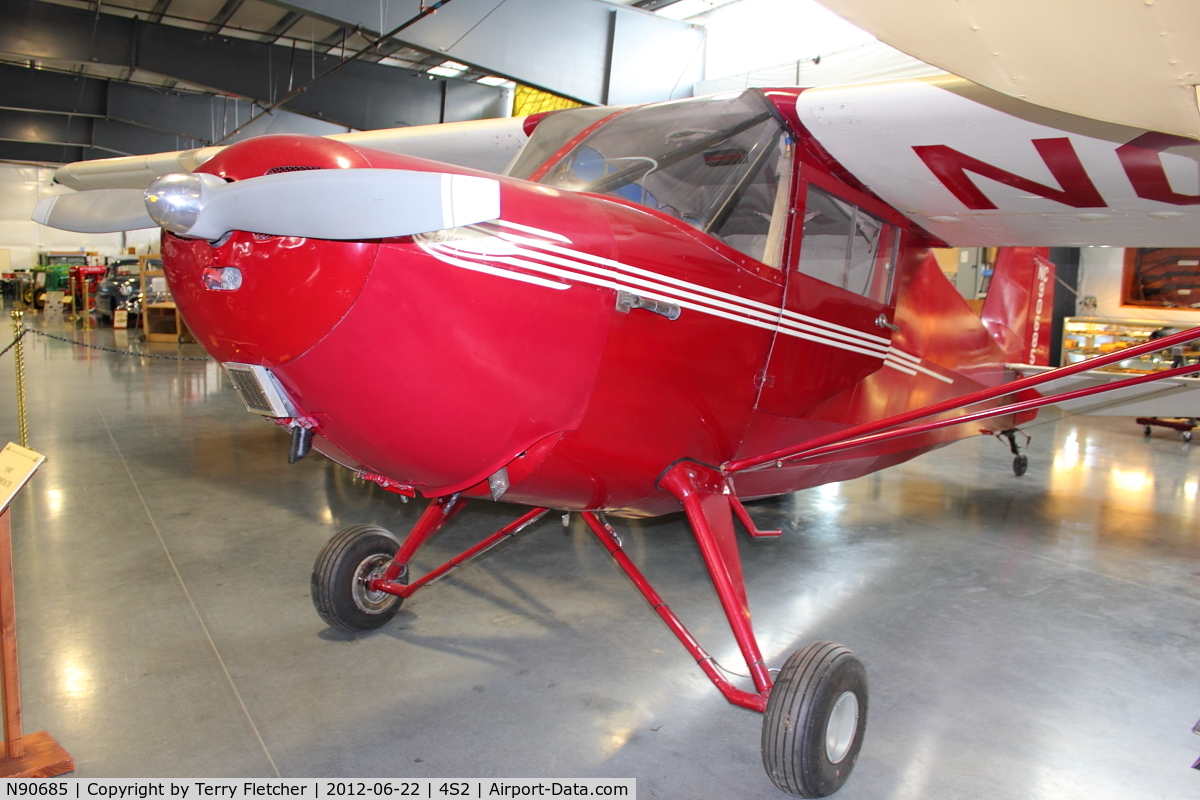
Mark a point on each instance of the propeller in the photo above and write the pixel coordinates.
(322, 203)
(95, 211)
(317, 204)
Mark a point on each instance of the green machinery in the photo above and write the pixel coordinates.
(52, 274)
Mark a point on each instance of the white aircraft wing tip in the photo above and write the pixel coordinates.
(43, 209)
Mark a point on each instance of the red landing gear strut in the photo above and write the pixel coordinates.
(815, 709)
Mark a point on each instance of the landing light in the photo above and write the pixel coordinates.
(222, 279)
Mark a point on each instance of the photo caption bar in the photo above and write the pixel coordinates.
(316, 789)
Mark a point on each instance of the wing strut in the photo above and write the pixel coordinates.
(882, 430)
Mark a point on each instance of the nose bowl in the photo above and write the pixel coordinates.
(289, 292)
(431, 365)
(286, 292)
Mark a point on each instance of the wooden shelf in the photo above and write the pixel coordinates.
(162, 323)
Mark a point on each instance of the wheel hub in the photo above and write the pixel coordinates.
(839, 730)
(367, 599)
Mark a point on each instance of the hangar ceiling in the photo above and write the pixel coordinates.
(82, 79)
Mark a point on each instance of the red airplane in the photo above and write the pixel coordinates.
(676, 306)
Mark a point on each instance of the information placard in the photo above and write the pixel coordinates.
(17, 465)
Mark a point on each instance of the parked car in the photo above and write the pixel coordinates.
(121, 289)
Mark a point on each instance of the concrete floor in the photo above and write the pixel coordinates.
(1028, 637)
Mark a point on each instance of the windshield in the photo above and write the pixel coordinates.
(552, 134)
(716, 163)
(122, 270)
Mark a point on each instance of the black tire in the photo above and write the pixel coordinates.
(796, 754)
(1187, 436)
(39, 299)
(1146, 431)
(337, 590)
(1020, 464)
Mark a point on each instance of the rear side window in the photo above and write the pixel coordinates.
(848, 247)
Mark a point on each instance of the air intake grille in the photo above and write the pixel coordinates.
(258, 390)
(249, 390)
(277, 170)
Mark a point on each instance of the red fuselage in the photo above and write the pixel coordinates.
(438, 360)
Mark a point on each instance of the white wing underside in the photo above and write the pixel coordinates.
(1170, 397)
(878, 132)
(1130, 62)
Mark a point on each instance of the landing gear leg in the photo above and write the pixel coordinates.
(1020, 460)
(361, 555)
(361, 577)
(815, 714)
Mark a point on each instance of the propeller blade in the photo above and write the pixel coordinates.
(95, 211)
(322, 203)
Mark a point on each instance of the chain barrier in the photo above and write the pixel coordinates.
(133, 353)
(13, 343)
(19, 332)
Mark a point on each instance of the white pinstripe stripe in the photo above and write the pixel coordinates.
(501, 273)
(536, 231)
(919, 368)
(602, 278)
(799, 330)
(899, 367)
(574, 265)
(576, 255)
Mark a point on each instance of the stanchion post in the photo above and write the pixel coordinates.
(37, 755)
(86, 302)
(14, 738)
(19, 362)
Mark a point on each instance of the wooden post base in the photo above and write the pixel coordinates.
(44, 758)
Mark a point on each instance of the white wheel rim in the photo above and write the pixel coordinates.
(839, 730)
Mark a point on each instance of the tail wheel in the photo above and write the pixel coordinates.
(815, 719)
(339, 579)
(1020, 464)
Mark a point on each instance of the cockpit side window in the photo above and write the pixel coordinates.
(846, 246)
(720, 164)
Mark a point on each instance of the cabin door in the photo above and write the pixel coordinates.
(838, 307)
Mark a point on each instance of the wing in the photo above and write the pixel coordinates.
(487, 144)
(1169, 397)
(978, 168)
(1130, 63)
